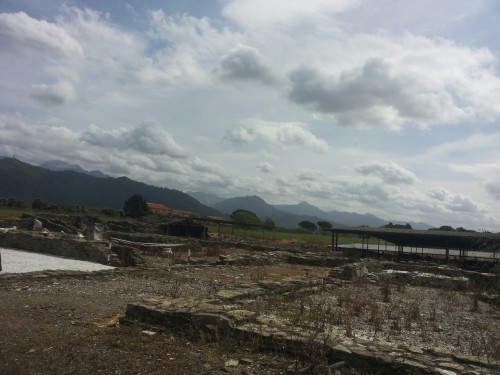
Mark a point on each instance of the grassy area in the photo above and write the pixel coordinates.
(6, 212)
(284, 235)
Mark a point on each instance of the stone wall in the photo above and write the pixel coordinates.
(224, 318)
(65, 247)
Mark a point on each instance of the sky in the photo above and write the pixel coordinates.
(389, 107)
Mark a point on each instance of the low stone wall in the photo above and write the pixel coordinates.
(223, 318)
(418, 274)
(65, 247)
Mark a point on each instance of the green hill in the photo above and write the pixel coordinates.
(27, 182)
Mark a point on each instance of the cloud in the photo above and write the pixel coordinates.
(24, 34)
(146, 152)
(204, 166)
(56, 94)
(276, 134)
(189, 49)
(389, 172)
(265, 167)
(453, 201)
(372, 95)
(493, 188)
(33, 141)
(484, 143)
(309, 175)
(258, 14)
(146, 138)
(246, 64)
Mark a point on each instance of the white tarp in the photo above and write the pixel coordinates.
(37, 225)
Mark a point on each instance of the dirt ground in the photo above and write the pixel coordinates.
(69, 325)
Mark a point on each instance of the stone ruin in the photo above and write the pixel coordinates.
(230, 314)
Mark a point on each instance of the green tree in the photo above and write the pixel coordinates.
(398, 226)
(244, 217)
(444, 228)
(269, 224)
(136, 206)
(309, 225)
(38, 204)
(324, 225)
(14, 202)
(111, 212)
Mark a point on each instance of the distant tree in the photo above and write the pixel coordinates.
(324, 225)
(244, 217)
(462, 229)
(111, 212)
(445, 228)
(398, 226)
(309, 225)
(13, 202)
(135, 206)
(269, 224)
(39, 204)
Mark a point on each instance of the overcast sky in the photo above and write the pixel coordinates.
(390, 107)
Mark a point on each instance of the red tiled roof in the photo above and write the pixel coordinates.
(158, 206)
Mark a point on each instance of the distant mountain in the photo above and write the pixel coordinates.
(27, 182)
(263, 210)
(346, 218)
(59, 165)
(349, 219)
(205, 198)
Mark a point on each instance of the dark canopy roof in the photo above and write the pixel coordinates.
(429, 238)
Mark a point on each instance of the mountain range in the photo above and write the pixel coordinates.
(60, 182)
(28, 182)
(289, 216)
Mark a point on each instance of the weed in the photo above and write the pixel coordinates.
(385, 290)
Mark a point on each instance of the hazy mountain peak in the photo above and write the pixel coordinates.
(60, 166)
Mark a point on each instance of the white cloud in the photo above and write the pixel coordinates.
(276, 134)
(142, 151)
(453, 201)
(24, 34)
(265, 167)
(466, 147)
(389, 172)
(191, 49)
(376, 94)
(246, 64)
(201, 165)
(257, 14)
(493, 188)
(147, 138)
(56, 94)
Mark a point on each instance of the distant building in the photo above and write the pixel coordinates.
(161, 209)
(158, 208)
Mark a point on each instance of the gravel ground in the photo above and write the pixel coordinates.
(16, 261)
(68, 325)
